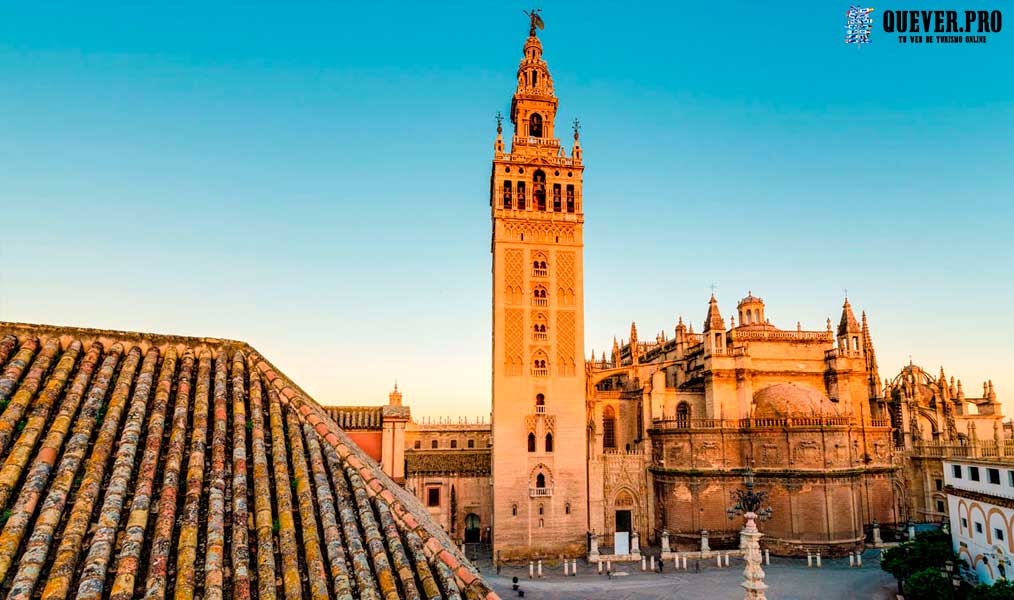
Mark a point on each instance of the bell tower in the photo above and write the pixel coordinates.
(540, 494)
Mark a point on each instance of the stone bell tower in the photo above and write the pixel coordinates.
(539, 418)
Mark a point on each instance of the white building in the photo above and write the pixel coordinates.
(980, 506)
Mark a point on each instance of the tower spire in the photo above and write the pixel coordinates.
(713, 320)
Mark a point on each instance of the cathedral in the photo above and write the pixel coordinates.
(651, 440)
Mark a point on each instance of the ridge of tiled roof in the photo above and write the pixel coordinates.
(356, 417)
(476, 462)
(127, 460)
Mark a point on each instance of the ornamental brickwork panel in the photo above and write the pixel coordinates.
(513, 275)
(514, 341)
(565, 277)
(565, 341)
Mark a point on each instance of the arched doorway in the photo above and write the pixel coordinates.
(472, 528)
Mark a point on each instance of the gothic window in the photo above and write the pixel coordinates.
(539, 189)
(609, 428)
(556, 198)
(549, 442)
(507, 198)
(566, 508)
(514, 510)
(535, 122)
(521, 195)
(531, 442)
(570, 198)
(540, 483)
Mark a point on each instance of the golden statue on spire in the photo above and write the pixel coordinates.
(536, 20)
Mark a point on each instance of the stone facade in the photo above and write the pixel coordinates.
(538, 424)
(656, 435)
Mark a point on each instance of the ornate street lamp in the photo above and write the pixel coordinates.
(748, 504)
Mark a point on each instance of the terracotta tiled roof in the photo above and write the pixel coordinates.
(357, 417)
(422, 462)
(136, 465)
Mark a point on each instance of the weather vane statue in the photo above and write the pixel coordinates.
(533, 15)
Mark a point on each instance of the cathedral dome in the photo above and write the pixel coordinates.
(788, 400)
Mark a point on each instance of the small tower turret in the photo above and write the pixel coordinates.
(714, 329)
(751, 311)
(849, 331)
(394, 398)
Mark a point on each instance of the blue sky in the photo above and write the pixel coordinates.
(313, 178)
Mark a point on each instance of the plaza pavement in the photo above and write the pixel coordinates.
(787, 579)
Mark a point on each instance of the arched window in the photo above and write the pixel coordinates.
(539, 268)
(570, 198)
(549, 442)
(683, 413)
(566, 508)
(531, 442)
(540, 399)
(507, 197)
(514, 510)
(539, 189)
(540, 297)
(540, 482)
(535, 122)
(609, 428)
(521, 195)
(556, 198)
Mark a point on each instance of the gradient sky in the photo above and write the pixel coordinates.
(313, 179)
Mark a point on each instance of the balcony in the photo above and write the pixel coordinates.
(540, 336)
(540, 409)
(540, 272)
(540, 372)
(540, 492)
(540, 301)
